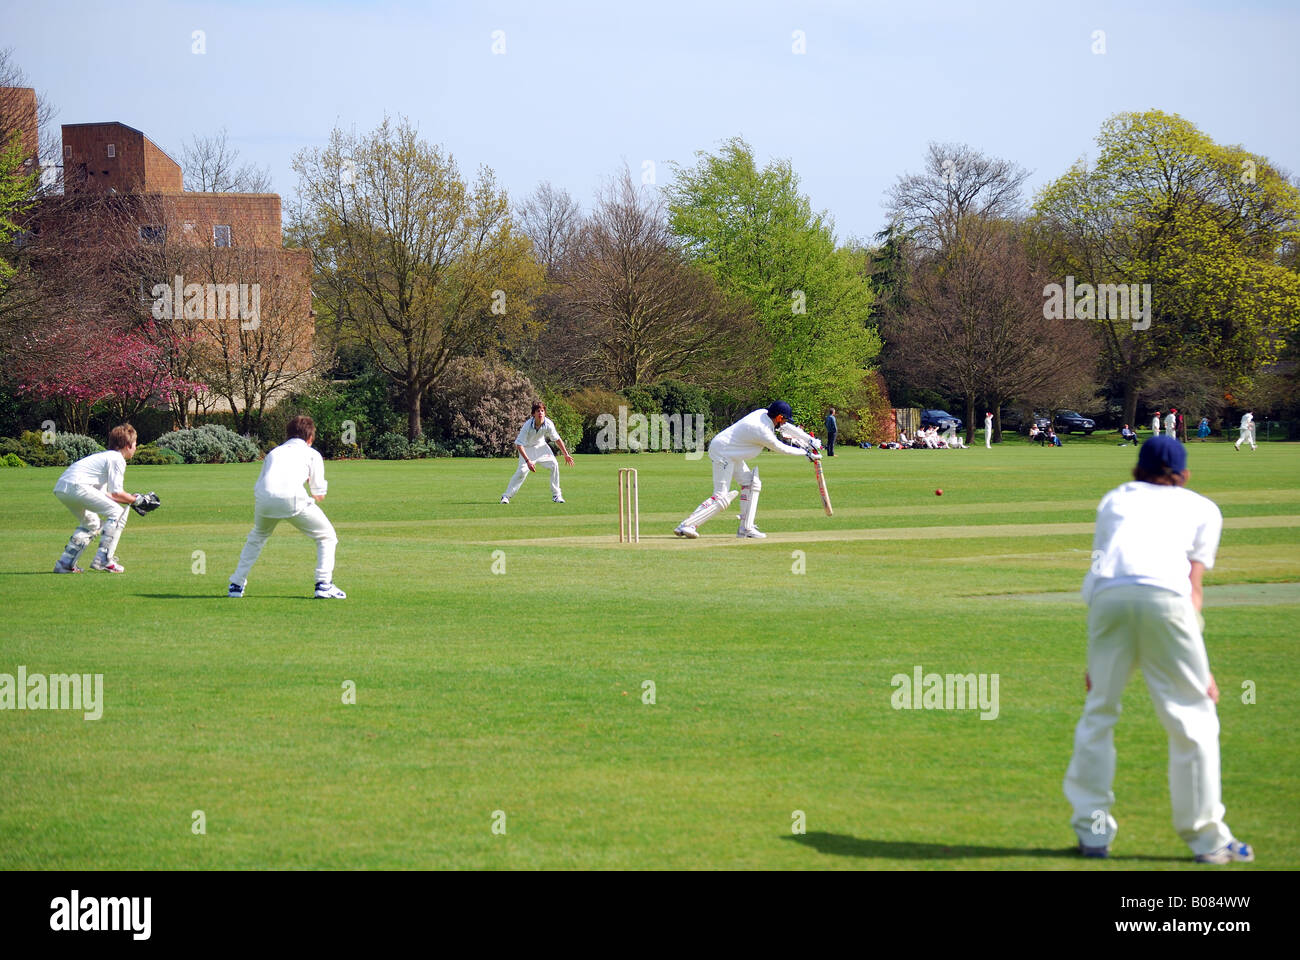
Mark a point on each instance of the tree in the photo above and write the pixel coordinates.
(418, 265)
(756, 234)
(212, 165)
(1207, 227)
(550, 218)
(633, 310)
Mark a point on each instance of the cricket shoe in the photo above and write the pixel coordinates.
(60, 568)
(327, 591)
(1094, 853)
(505, 499)
(690, 533)
(236, 592)
(750, 533)
(1234, 851)
(557, 499)
(111, 567)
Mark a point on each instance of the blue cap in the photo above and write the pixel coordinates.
(1162, 453)
(780, 409)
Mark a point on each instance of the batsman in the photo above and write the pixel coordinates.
(730, 452)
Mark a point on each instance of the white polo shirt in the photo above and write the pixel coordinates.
(105, 470)
(748, 437)
(279, 490)
(1246, 419)
(1149, 534)
(533, 438)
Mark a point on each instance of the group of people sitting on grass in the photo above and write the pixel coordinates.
(1043, 438)
(927, 438)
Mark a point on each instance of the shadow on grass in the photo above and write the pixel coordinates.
(843, 845)
(222, 596)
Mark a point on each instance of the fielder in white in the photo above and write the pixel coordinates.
(92, 488)
(532, 447)
(1155, 424)
(1247, 431)
(1154, 540)
(279, 495)
(988, 431)
(729, 452)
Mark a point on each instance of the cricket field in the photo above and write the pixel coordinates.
(529, 693)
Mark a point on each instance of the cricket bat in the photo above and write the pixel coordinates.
(821, 487)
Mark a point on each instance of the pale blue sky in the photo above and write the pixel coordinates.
(584, 87)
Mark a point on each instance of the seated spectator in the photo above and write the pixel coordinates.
(1052, 438)
(1128, 435)
(1036, 434)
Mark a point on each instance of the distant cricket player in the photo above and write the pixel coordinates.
(280, 495)
(532, 447)
(1247, 431)
(92, 488)
(729, 450)
(988, 430)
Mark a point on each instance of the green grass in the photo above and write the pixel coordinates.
(521, 692)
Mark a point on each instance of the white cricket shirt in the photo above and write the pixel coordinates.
(748, 437)
(1246, 419)
(106, 470)
(279, 490)
(1149, 534)
(533, 438)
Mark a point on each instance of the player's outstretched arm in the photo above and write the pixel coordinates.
(564, 450)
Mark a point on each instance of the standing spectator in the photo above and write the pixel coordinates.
(1203, 430)
(988, 430)
(1154, 540)
(832, 428)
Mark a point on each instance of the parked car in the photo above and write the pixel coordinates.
(1020, 420)
(941, 419)
(1070, 420)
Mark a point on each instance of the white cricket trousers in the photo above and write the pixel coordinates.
(1247, 433)
(1156, 630)
(87, 504)
(311, 520)
(517, 481)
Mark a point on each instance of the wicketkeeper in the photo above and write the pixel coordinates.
(729, 452)
(93, 488)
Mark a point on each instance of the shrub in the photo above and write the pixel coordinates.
(151, 455)
(31, 450)
(590, 404)
(485, 401)
(210, 443)
(566, 418)
(465, 447)
(76, 445)
(12, 460)
(395, 446)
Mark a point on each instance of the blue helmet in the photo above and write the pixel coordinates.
(780, 409)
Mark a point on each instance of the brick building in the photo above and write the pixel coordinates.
(124, 194)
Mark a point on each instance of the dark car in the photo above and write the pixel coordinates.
(940, 418)
(1069, 420)
(1020, 420)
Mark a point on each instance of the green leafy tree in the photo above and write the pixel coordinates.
(1209, 227)
(758, 236)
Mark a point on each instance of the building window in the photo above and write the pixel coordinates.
(221, 236)
(189, 226)
(152, 234)
(67, 149)
(112, 150)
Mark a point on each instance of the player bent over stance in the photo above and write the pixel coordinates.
(92, 488)
(729, 450)
(532, 449)
(279, 495)
(1153, 543)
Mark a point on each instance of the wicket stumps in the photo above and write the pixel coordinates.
(629, 507)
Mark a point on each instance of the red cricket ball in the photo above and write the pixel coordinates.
(938, 493)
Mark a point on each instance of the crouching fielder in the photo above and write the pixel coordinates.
(533, 449)
(92, 488)
(279, 495)
(729, 450)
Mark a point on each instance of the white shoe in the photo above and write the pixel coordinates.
(505, 499)
(111, 567)
(60, 568)
(327, 591)
(557, 499)
(235, 592)
(690, 533)
(750, 533)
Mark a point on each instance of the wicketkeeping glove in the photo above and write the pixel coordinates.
(146, 503)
